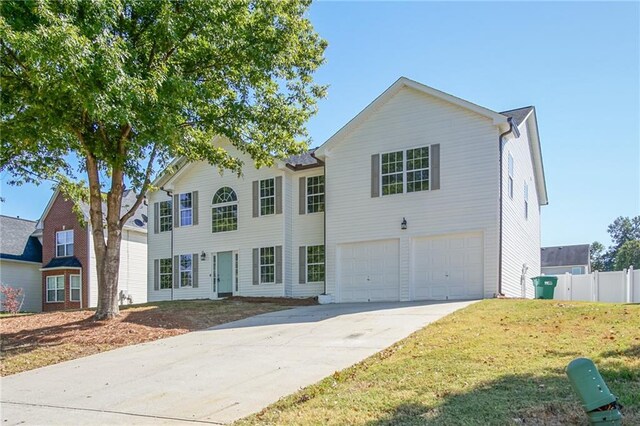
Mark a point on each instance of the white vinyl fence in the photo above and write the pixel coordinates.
(615, 286)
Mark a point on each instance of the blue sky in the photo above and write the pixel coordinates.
(577, 62)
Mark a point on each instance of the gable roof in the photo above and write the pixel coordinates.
(565, 255)
(498, 119)
(16, 242)
(519, 115)
(138, 221)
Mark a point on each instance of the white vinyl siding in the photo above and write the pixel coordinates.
(268, 231)
(510, 175)
(27, 276)
(55, 288)
(64, 243)
(467, 200)
(521, 234)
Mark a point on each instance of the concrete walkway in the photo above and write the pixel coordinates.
(212, 376)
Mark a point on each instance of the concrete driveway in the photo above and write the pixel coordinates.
(212, 376)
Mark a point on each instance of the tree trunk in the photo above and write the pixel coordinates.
(108, 271)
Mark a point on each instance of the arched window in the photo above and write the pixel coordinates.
(224, 210)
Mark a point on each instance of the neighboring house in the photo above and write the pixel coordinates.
(68, 278)
(402, 203)
(562, 259)
(21, 259)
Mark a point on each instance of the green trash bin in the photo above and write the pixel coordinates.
(545, 285)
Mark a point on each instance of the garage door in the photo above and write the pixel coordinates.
(369, 271)
(448, 267)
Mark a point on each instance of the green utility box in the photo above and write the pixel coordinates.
(597, 400)
(545, 285)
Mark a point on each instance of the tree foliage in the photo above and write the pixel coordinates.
(625, 236)
(628, 255)
(123, 86)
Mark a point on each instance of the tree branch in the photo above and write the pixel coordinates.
(15, 57)
(143, 189)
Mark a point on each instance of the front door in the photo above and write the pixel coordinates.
(225, 273)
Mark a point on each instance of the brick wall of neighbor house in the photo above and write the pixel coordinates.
(62, 217)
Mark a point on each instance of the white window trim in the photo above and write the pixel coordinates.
(181, 209)
(66, 243)
(307, 195)
(404, 170)
(71, 288)
(307, 264)
(161, 216)
(260, 197)
(55, 289)
(180, 270)
(160, 273)
(260, 265)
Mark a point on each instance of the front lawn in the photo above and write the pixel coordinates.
(495, 362)
(37, 340)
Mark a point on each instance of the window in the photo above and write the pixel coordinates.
(166, 274)
(186, 211)
(186, 270)
(410, 166)
(74, 284)
(526, 201)
(224, 214)
(267, 265)
(510, 183)
(267, 197)
(315, 264)
(576, 270)
(418, 169)
(55, 288)
(165, 216)
(64, 243)
(392, 173)
(315, 194)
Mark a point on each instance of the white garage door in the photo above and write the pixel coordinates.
(448, 267)
(369, 271)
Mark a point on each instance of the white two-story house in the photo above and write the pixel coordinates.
(421, 196)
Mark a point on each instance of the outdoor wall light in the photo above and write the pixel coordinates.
(203, 255)
(403, 225)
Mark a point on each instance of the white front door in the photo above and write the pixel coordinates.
(448, 267)
(369, 271)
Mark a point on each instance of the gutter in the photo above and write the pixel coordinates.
(512, 129)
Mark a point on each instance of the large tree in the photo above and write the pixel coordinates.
(625, 236)
(113, 89)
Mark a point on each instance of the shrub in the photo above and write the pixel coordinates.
(12, 298)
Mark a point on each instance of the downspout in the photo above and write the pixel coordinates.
(501, 149)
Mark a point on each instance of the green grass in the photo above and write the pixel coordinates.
(496, 362)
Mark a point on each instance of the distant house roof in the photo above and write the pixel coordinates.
(565, 255)
(16, 242)
(518, 114)
(63, 262)
(137, 221)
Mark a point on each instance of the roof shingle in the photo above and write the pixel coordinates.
(16, 242)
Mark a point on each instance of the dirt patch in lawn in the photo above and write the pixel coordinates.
(33, 341)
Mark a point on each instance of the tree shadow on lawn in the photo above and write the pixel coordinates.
(517, 399)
